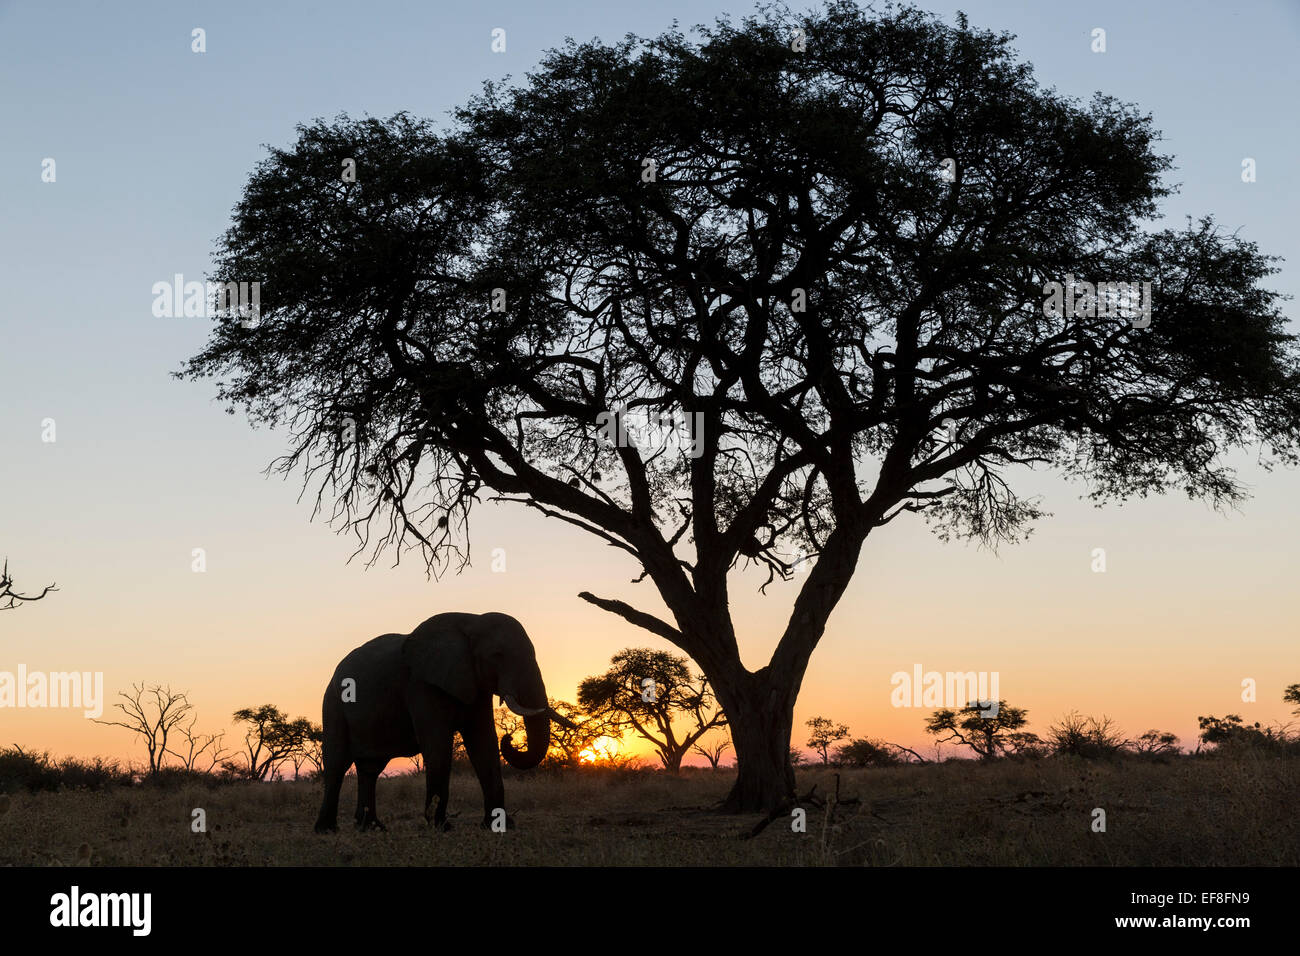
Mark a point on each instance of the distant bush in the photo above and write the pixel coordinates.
(865, 752)
(94, 773)
(33, 771)
(26, 770)
(1229, 735)
(1025, 745)
(1078, 736)
(171, 778)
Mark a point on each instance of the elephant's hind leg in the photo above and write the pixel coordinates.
(336, 768)
(368, 771)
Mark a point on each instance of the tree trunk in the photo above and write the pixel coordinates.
(761, 718)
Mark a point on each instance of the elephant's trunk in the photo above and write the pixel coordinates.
(538, 728)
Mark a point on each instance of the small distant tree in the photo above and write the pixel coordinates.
(797, 757)
(865, 752)
(312, 751)
(974, 726)
(1154, 743)
(271, 739)
(1292, 696)
(309, 737)
(1025, 744)
(714, 750)
(824, 733)
(190, 748)
(1230, 733)
(152, 713)
(646, 692)
(9, 598)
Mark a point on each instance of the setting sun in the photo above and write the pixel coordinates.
(602, 750)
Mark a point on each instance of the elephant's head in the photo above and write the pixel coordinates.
(475, 656)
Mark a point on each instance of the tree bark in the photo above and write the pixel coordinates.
(760, 732)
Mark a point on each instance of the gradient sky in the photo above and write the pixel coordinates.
(153, 144)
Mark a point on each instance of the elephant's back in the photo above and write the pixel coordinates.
(382, 651)
(375, 665)
(365, 696)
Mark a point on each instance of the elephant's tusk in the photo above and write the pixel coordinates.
(560, 719)
(521, 711)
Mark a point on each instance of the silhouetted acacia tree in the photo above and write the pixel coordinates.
(714, 750)
(309, 739)
(1231, 733)
(1292, 696)
(1154, 743)
(646, 691)
(271, 738)
(10, 599)
(209, 747)
(312, 748)
(762, 239)
(823, 734)
(988, 734)
(152, 713)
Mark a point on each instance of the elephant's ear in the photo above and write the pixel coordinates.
(441, 656)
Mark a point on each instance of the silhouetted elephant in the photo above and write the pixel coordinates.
(403, 694)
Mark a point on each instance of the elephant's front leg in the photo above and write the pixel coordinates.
(434, 725)
(480, 737)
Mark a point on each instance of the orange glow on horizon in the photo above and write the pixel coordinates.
(602, 750)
